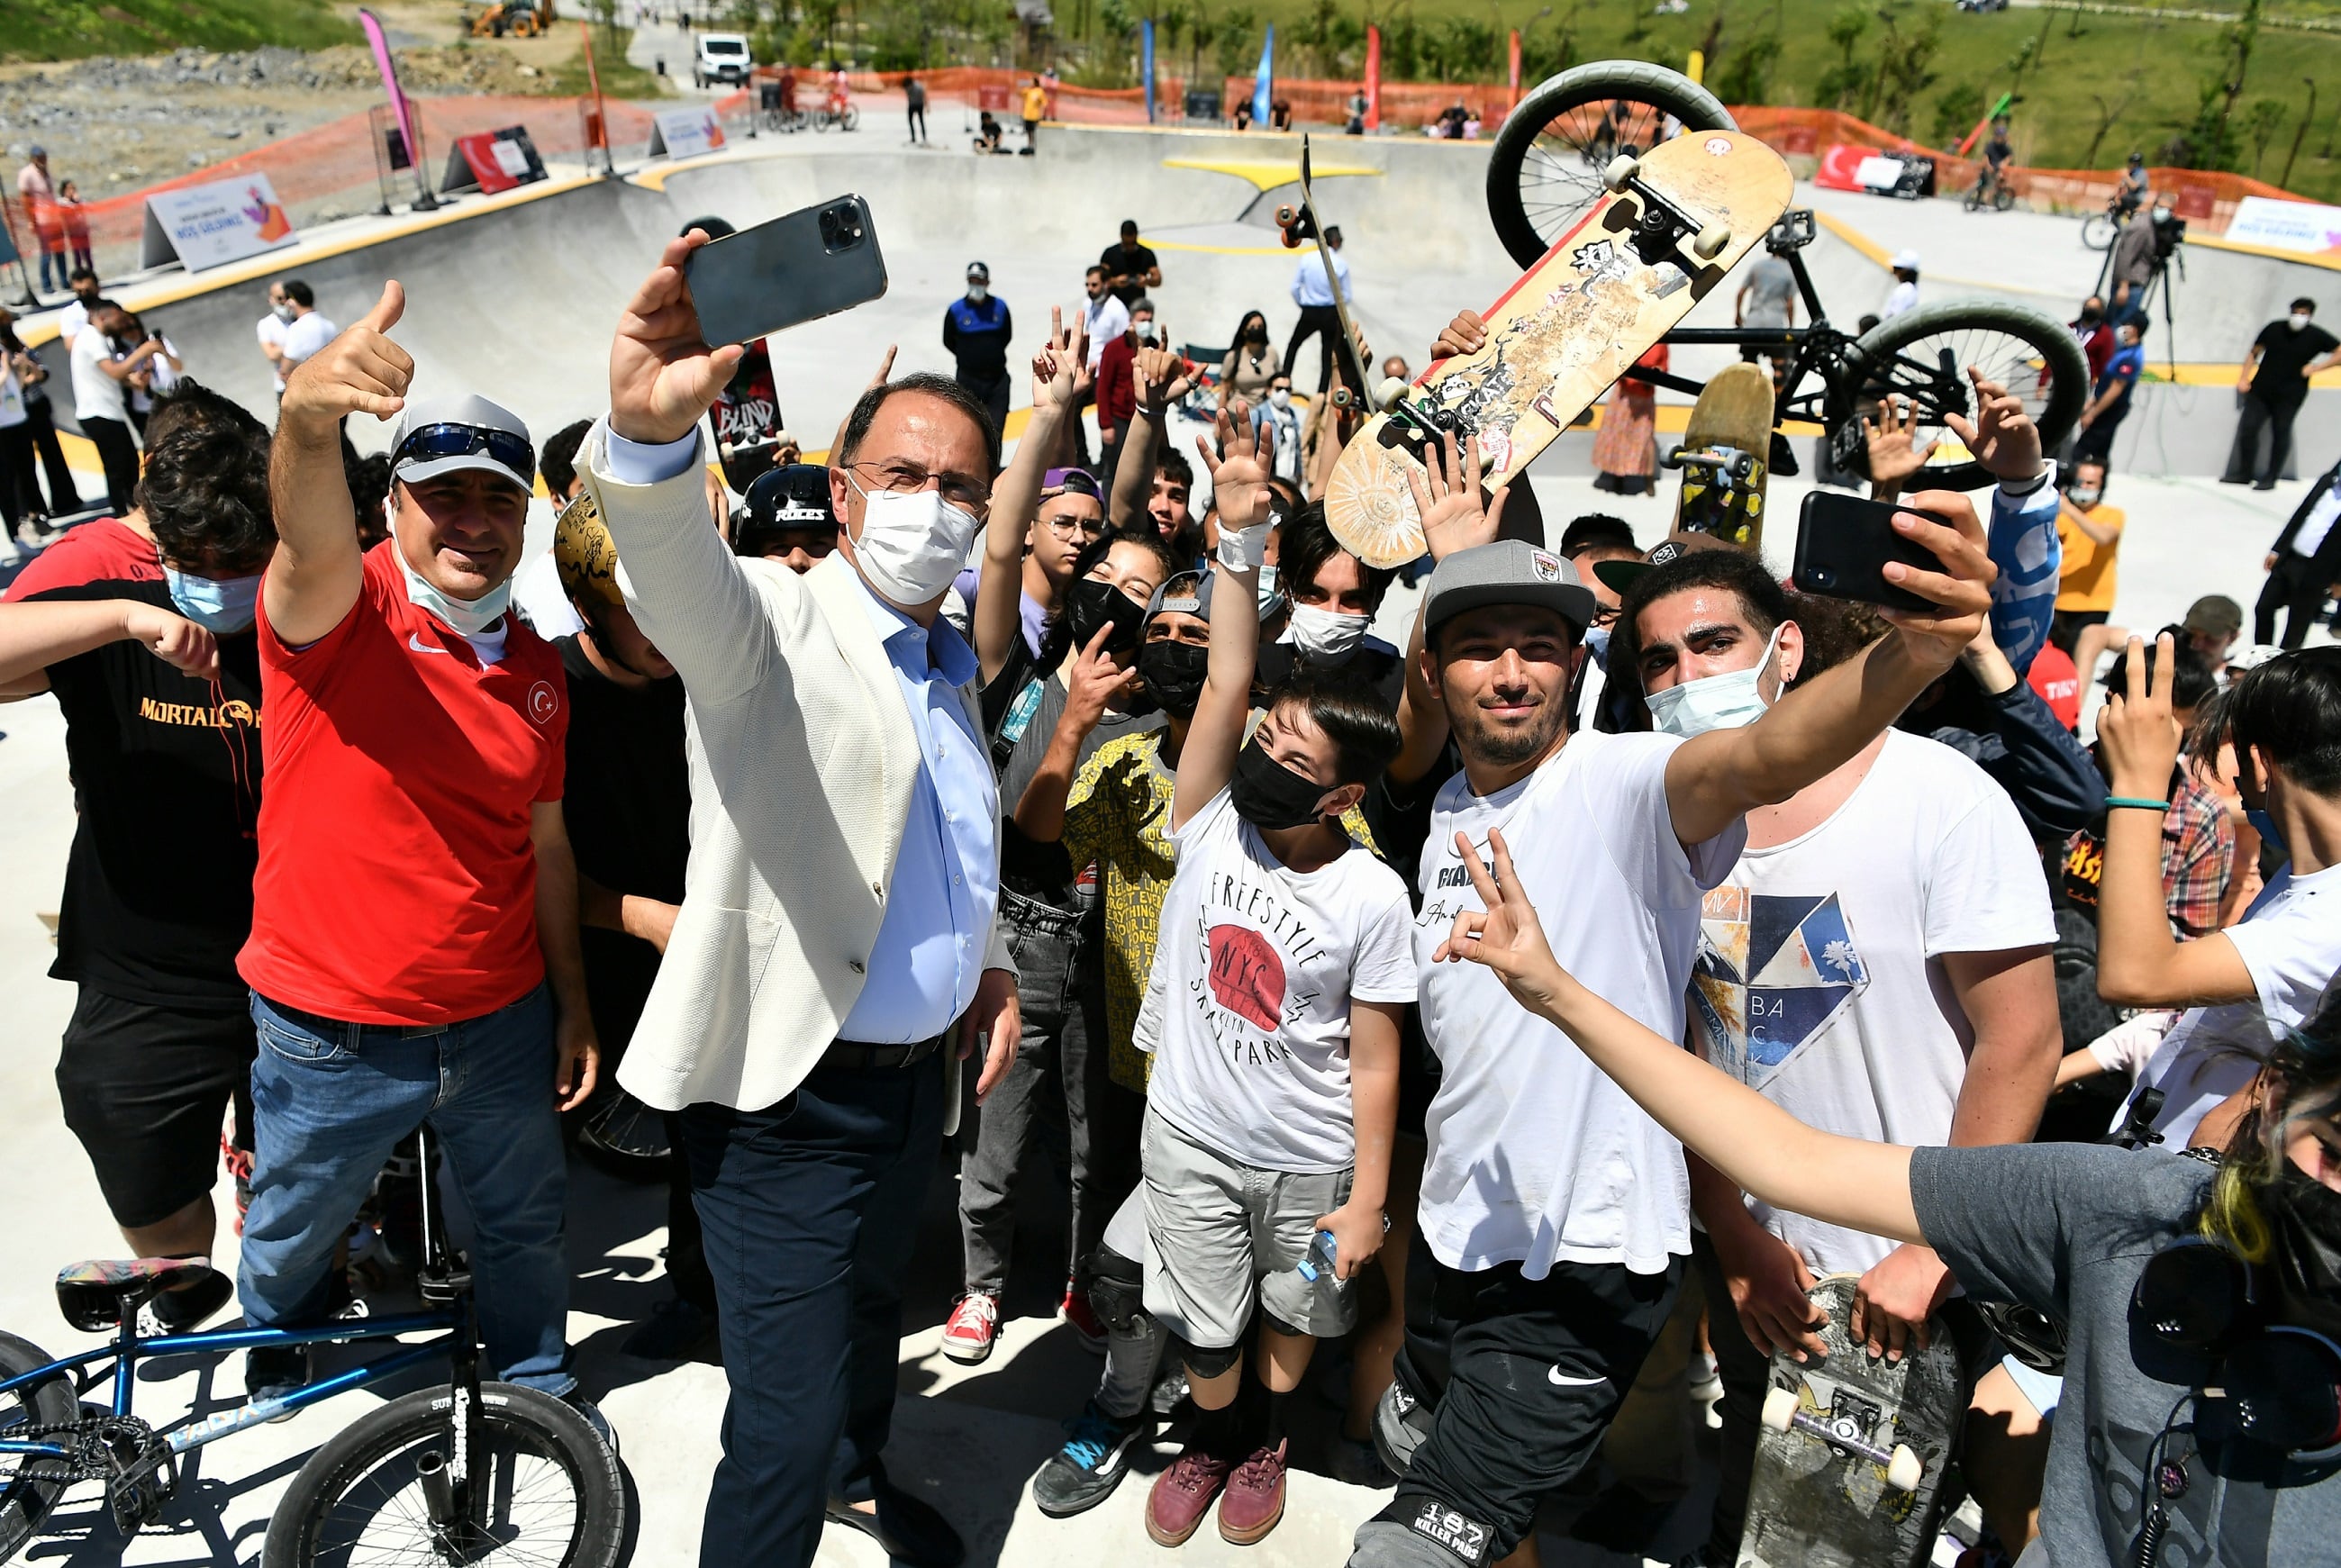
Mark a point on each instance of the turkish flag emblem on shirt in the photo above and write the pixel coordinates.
(1247, 976)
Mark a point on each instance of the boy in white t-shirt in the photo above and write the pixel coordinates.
(2246, 985)
(1285, 961)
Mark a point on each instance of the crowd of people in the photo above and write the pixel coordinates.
(934, 801)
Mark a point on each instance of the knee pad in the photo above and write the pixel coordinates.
(1211, 1362)
(1117, 1290)
(1402, 1422)
(1420, 1531)
(1280, 1326)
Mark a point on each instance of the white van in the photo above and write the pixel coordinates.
(722, 57)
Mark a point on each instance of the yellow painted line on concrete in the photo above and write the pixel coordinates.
(2217, 374)
(1268, 176)
(1870, 249)
(2330, 261)
(274, 264)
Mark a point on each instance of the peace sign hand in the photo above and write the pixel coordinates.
(1507, 936)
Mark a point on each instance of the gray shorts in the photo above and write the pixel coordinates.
(1217, 1228)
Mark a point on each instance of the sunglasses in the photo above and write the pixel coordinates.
(432, 441)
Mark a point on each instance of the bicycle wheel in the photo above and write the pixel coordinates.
(1544, 174)
(2097, 231)
(1923, 355)
(2003, 196)
(851, 120)
(25, 1498)
(625, 1137)
(553, 1493)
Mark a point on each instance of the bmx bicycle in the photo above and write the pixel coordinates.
(1991, 190)
(1545, 177)
(836, 117)
(2100, 230)
(474, 1471)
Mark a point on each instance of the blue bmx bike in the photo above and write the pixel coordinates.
(475, 1472)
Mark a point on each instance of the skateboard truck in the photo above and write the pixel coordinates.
(1727, 464)
(1662, 225)
(1846, 1426)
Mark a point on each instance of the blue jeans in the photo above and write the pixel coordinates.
(330, 1100)
(46, 257)
(810, 1208)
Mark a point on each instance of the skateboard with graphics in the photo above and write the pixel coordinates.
(1723, 458)
(1851, 1458)
(1674, 222)
(1301, 223)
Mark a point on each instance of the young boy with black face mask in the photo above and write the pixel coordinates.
(1285, 962)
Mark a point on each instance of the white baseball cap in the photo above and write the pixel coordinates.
(445, 434)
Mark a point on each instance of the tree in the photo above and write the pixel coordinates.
(1956, 110)
(2109, 113)
(2262, 119)
(1237, 43)
(1842, 80)
(2211, 140)
(1745, 74)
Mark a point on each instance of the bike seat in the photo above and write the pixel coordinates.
(95, 1294)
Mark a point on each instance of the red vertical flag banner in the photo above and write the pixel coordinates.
(1373, 77)
(1516, 65)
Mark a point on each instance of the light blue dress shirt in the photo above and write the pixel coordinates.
(1309, 285)
(931, 939)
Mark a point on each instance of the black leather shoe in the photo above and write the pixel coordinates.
(907, 1527)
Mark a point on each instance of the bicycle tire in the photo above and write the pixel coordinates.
(2003, 196)
(24, 1501)
(2052, 378)
(2097, 231)
(851, 120)
(1527, 229)
(302, 1532)
(620, 1135)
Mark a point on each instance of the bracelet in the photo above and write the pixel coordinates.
(2139, 801)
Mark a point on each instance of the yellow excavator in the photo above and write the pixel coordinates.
(509, 18)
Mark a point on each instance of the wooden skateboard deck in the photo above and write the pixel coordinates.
(1725, 458)
(1856, 1478)
(1573, 323)
(1300, 223)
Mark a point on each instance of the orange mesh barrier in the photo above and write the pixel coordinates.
(1404, 103)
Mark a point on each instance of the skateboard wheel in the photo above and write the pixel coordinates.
(1622, 168)
(1708, 243)
(1904, 1471)
(1343, 397)
(1287, 216)
(1780, 1412)
(1387, 395)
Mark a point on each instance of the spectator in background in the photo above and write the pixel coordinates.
(271, 332)
(914, 98)
(1396, 366)
(1279, 115)
(1767, 300)
(1314, 295)
(308, 330)
(1277, 410)
(159, 376)
(2275, 384)
(39, 197)
(101, 398)
(976, 330)
(2115, 390)
(29, 442)
(1250, 367)
(1103, 316)
(2138, 253)
(2213, 623)
(75, 315)
(988, 133)
(1904, 296)
(1626, 450)
(2094, 334)
(1035, 107)
(1116, 387)
(2303, 565)
(1242, 117)
(2089, 533)
(1356, 125)
(74, 218)
(1130, 268)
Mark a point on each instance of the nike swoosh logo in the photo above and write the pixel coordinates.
(416, 643)
(1554, 1377)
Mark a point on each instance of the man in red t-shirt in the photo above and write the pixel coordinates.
(414, 949)
(1116, 387)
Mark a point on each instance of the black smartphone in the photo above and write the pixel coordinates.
(797, 268)
(1843, 543)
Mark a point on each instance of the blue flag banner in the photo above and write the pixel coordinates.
(1146, 72)
(1263, 85)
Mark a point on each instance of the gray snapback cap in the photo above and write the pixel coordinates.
(1508, 571)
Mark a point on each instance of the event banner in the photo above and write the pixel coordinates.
(210, 225)
(2303, 227)
(685, 133)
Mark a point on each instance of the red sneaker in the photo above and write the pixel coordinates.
(1075, 1309)
(1255, 1499)
(973, 1328)
(1182, 1494)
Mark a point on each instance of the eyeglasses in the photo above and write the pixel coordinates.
(905, 478)
(432, 441)
(1065, 526)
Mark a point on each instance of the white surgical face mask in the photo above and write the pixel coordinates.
(283, 310)
(1281, 398)
(2084, 495)
(2299, 320)
(1326, 636)
(1727, 701)
(978, 292)
(1145, 331)
(468, 617)
(912, 543)
(1597, 647)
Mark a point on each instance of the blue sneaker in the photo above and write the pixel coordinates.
(1085, 1470)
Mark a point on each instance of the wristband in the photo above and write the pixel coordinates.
(2138, 801)
(1241, 549)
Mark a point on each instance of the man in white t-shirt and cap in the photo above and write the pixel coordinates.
(306, 334)
(1877, 963)
(1555, 1215)
(271, 332)
(1905, 294)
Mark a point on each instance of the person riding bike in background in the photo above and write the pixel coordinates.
(2131, 193)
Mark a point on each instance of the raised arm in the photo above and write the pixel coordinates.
(1239, 485)
(2139, 963)
(1715, 778)
(44, 632)
(315, 574)
(1094, 679)
(998, 595)
(1160, 377)
(1840, 1181)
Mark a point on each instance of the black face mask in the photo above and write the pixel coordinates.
(1090, 604)
(2306, 1217)
(1269, 795)
(1173, 674)
(1255, 335)
(2090, 316)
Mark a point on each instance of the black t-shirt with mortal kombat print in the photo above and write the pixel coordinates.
(166, 780)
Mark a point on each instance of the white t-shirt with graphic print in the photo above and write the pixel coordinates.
(1258, 964)
(1536, 1156)
(1821, 980)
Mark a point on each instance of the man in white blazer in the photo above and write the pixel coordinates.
(837, 929)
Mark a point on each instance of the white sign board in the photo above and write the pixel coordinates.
(1880, 173)
(685, 132)
(210, 225)
(2303, 227)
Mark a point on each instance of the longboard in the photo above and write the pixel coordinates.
(1725, 458)
(1851, 1457)
(1300, 223)
(1677, 220)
